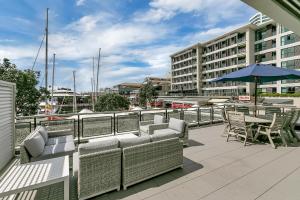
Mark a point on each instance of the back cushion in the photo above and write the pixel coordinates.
(102, 144)
(44, 132)
(35, 145)
(162, 136)
(127, 142)
(177, 124)
(158, 119)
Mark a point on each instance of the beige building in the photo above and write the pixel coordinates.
(263, 40)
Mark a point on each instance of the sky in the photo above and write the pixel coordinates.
(136, 37)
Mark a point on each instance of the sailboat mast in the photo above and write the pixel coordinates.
(46, 51)
(98, 68)
(74, 95)
(53, 70)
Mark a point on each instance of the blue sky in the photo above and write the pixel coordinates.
(136, 36)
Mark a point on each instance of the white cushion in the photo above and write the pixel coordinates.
(163, 134)
(158, 119)
(144, 129)
(177, 124)
(101, 144)
(35, 145)
(44, 132)
(128, 142)
(57, 150)
(61, 139)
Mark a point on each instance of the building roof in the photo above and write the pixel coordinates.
(285, 12)
(130, 85)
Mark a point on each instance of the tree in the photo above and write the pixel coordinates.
(147, 93)
(111, 102)
(27, 97)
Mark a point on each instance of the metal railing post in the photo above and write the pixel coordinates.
(78, 128)
(34, 122)
(166, 114)
(212, 114)
(114, 123)
(140, 115)
(198, 116)
(181, 115)
(82, 127)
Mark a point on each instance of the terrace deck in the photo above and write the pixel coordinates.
(214, 169)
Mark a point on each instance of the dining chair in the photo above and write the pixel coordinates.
(243, 109)
(293, 124)
(225, 119)
(289, 115)
(275, 130)
(238, 127)
(269, 112)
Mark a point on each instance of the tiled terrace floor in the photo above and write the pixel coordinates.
(214, 169)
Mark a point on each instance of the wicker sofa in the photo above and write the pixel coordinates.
(141, 162)
(177, 126)
(107, 163)
(98, 167)
(42, 144)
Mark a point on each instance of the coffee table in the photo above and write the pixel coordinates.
(34, 175)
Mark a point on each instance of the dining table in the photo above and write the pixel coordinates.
(257, 120)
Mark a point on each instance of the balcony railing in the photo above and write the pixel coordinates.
(89, 125)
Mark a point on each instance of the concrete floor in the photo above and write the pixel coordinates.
(215, 169)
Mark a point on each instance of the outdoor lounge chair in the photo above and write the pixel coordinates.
(144, 125)
(238, 127)
(177, 126)
(275, 130)
(293, 124)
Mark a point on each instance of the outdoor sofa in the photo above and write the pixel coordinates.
(175, 126)
(107, 163)
(42, 144)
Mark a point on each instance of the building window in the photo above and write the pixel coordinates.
(283, 29)
(289, 39)
(291, 64)
(289, 52)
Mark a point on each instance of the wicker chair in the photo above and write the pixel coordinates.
(99, 168)
(144, 125)
(275, 130)
(238, 127)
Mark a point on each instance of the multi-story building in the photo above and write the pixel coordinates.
(263, 41)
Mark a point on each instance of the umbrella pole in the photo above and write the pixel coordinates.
(255, 96)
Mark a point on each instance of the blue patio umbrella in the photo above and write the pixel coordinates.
(259, 73)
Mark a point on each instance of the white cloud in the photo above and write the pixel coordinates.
(80, 2)
(212, 10)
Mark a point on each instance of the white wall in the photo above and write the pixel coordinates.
(7, 125)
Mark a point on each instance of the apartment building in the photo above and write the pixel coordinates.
(263, 41)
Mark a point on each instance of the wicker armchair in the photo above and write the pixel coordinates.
(144, 125)
(275, 130)
(145, 161)
(238, 127)
(182, 133)
(99, 168)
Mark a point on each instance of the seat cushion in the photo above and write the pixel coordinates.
(177, 124)
(158, 119)
(35, 144)
(57, 150)
(61, 139)
(128, 142)
(44, 132)
(101, 144)
(144, 129)
(163, 134)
